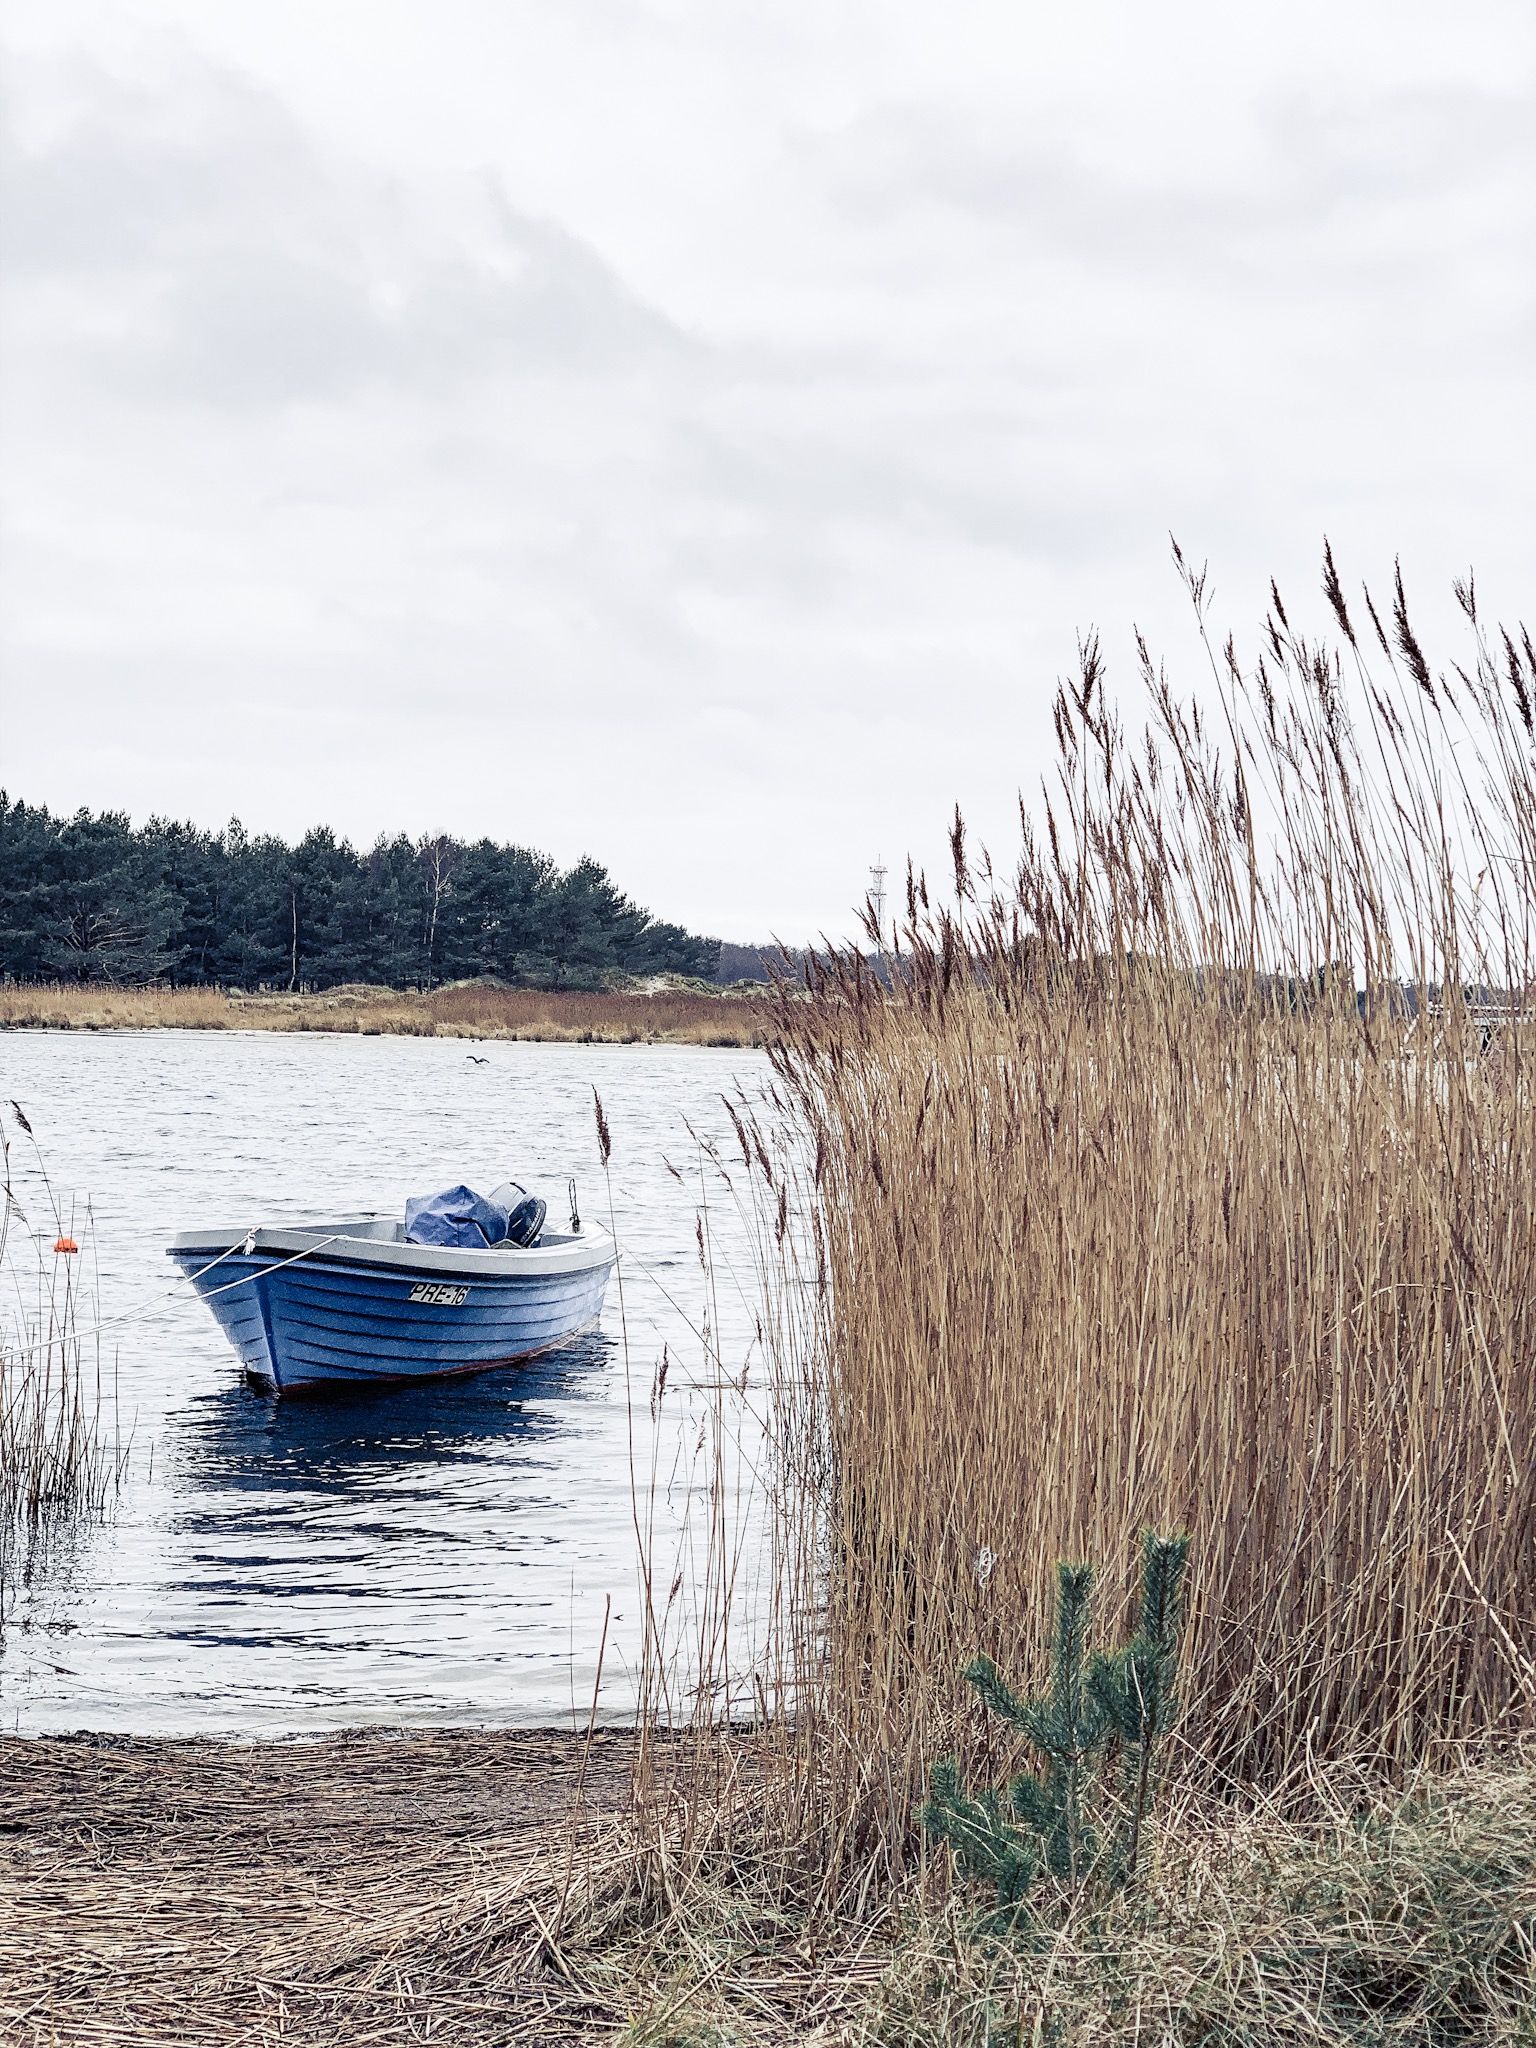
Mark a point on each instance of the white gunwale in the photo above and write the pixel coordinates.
(373, 1241)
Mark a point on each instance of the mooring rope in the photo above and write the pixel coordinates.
(149, 1312)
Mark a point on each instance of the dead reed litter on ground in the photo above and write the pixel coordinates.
(344, 1888)
(371, 1888)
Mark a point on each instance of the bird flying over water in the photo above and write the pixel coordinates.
(479, 1059)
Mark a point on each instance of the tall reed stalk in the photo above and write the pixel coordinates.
(1186, 1177)
(60, 1457)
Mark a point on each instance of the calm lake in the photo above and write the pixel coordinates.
(441, 1553)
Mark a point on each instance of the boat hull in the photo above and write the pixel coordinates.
(302, 1312)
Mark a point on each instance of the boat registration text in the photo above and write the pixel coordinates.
(439, 1296)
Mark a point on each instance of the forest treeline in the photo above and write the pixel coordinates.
(92, 898)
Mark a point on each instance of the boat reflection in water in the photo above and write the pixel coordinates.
(525, 1417)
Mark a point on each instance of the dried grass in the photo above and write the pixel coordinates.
(670, 1016)
(362, 1888)
(1408, 1920)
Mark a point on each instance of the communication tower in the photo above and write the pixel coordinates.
(877, 896)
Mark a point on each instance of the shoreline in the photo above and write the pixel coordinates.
(467, 1011)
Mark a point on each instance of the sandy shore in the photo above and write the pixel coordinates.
(358, 1888)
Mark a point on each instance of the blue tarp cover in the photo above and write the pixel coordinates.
(458, 1219)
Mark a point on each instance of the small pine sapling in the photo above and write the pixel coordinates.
(985, 1846)
(1137, 1690)
(1045, 1823)
(1007, 1839)
(1067, 1724)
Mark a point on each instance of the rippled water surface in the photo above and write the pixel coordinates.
(444, 1552)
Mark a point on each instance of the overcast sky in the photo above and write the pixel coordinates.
(696, 433)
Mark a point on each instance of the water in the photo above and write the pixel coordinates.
(435, 1554)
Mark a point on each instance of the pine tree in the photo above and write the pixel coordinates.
(1051, 1823)
(88, 898)
(1137, 1689)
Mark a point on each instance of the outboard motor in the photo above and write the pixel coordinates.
(525, 1214)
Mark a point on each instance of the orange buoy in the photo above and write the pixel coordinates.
(65, 1244)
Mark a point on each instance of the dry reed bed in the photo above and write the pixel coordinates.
(1204, 1272)
(1127, 1210)
(667, 1016)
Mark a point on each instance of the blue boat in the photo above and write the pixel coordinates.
(319, 1303)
